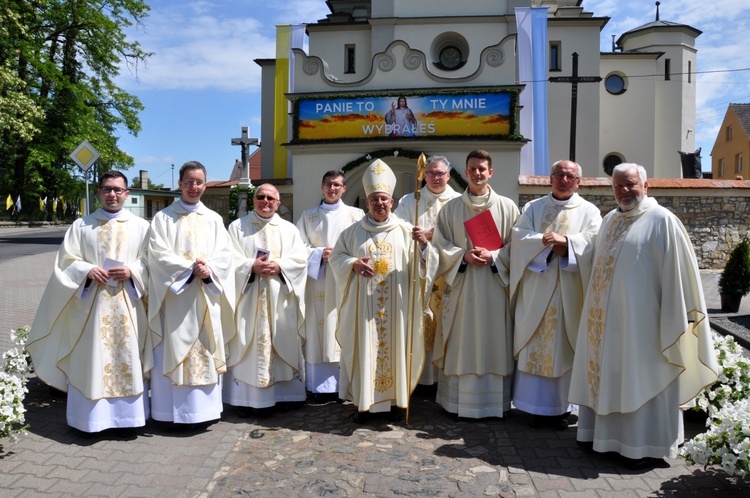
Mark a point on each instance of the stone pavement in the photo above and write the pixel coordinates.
(316, 450)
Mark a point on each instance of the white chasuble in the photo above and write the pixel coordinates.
(430, 205)
(548, 304)
(92, 336)
(474, 345)
(270, 309)
(644, 323)
(188, 317)
(477, 329)
(380, 362)
(319, 228)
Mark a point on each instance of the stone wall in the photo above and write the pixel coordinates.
(714, 212)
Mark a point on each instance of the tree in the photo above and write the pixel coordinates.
(58, 62)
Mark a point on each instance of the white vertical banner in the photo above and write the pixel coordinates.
(531, 48)
(297, 40)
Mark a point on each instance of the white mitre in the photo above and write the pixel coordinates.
(379, 178)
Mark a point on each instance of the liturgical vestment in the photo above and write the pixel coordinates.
(320, 227)
(90, 339)
(547, 297)
(380, 362)
(190, 319)
(474, 346)
(265, 356)
(430, 205)
(644, 346)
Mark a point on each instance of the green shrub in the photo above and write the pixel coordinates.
(735, 279)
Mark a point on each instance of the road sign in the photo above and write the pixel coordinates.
(85, 155)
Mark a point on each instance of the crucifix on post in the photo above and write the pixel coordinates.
(244, 142)
(574, 79)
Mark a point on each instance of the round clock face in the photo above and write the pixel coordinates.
(450, 57)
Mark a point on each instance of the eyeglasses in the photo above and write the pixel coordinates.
(379, 200)
(570, 178)
(116, 190)
(191, 183)
(334, 185)
(266, 198)
(436, 174)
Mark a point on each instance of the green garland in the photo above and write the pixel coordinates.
(233, 199)
(397, 152)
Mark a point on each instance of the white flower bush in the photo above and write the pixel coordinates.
(13, 380)
(726, 443)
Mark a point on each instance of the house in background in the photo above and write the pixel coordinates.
(731, 149)
(146, 203)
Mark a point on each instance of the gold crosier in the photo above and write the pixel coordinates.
(414, 285)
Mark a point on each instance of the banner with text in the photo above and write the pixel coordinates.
(398, 116)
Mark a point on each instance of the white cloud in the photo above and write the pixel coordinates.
(148, 160)
(209, 45)
(197, 47)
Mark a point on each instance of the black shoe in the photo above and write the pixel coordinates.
(249, 412)
(324, 397)
(642, 463)
(536, 422)
(360, 417)
(125, 433)
(396, 414)
(586, 445)
(559, 422)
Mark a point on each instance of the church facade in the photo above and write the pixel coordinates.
(392, 79)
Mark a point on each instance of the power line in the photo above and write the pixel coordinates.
(661, 75)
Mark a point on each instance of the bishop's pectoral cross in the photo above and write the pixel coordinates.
(574, 79)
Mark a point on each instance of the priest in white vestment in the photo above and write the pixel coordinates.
(380, 317)
(474, 347)
(265, 361)
(320, 227)
(550, 266)
(431, 201)
(644, 346)
(190, 306)
(89, 334)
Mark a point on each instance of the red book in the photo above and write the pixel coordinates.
(483, 232)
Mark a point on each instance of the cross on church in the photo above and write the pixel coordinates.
(574, 79)
(244, 141)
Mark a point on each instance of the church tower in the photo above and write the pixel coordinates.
(648, 97)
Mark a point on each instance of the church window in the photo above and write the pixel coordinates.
(729, 134)
(738, 163)
(449, 51)
(554, 56)
(615, 84)
(351, 52)
(610, 161)
(667, 69)
(690, 71)
(721, 168)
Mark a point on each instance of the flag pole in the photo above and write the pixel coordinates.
(414, 270)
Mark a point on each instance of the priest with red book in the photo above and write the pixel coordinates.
(474, 348)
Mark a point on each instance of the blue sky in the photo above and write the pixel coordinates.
(202, 86)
